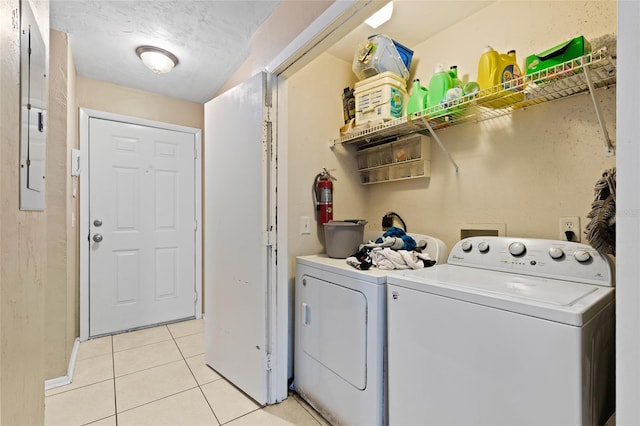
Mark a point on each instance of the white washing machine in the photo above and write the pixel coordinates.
(512, 331)
(340, 336)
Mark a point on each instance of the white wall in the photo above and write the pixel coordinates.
(628, 218)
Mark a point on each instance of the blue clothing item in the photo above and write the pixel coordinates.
(409, 242)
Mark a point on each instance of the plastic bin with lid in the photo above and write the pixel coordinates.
(380, 98)
(377, 55)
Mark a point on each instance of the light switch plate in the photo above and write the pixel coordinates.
(75, 162)
(305, 225)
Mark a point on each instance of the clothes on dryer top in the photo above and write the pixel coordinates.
(394, 234)
(387, 259)
(394, 250)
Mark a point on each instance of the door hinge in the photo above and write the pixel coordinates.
(195, 296)
(195, 225)
(268, 238)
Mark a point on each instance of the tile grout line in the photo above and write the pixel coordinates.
(239, 417)
(156, 400)
(194, 377)
(115, 390)
(143, 345)
(292, 395)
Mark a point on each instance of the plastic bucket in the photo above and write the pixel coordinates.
(343, 237)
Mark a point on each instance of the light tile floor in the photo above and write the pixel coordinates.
(158, 376)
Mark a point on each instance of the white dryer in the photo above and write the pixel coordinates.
(340, 336)
(512, 331)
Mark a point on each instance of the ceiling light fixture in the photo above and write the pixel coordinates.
(381, 16)
(157, 60)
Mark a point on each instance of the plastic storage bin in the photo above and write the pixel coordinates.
(343, 237)
(380, 98)
(408, 157)
(378, 55)
(405, 53)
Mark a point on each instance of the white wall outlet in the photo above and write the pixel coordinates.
(570, 225)
(305, 225)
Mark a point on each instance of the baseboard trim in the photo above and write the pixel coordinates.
(65, 380)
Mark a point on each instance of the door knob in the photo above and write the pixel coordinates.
(97, 238)
(97, 222)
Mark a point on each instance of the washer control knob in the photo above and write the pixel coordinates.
(467, 246)
(517, 249)
(483, 247)
(556, 252)
(582, 256)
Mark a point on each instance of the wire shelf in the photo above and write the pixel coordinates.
(597, 69)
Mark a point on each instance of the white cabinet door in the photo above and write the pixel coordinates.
(142, 216)
(239, 230)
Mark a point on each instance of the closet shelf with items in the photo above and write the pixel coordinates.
(581, 75)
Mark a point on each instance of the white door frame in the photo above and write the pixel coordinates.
(336, 21)
(85, 115)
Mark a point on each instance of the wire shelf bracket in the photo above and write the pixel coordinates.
(437, 139)
(609, 149)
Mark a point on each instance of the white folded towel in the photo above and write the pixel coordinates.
(386, 258)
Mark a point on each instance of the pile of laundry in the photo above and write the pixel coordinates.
(394, 250)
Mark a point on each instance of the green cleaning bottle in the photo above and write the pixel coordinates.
(438, 85)
(453, 72)
(418, 98)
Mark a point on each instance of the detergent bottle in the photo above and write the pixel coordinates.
(439, 84)
(498, 69)
(511, 77)
(488, 69)
(418, 98)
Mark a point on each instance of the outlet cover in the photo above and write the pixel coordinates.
(570, 224)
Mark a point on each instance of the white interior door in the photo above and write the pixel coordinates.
(142, 226)
(239, 231)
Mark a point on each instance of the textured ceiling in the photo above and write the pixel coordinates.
(412, 22)
(211, 39)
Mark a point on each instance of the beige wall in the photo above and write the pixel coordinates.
(23, 238)
(315, 114)
(286, 22)
(73, 209)
(524, 170)
(109, 97)
(60, 293)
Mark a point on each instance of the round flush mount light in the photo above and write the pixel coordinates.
(156, 59)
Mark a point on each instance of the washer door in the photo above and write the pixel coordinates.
(334, 328)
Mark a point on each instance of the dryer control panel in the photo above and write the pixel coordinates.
(562, 260)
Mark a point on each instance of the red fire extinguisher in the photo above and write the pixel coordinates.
(323, 194)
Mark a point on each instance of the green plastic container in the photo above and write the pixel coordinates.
(418, 99)
(438, 85)
(563, 52)
(453, 72)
